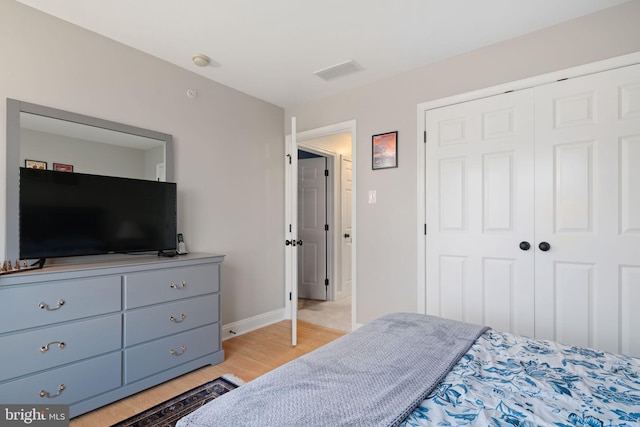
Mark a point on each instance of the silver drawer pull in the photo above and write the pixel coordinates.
(179, 353)
(46, 393)
(46, 306)
(45, 348)
(182, 317)
(180, 286)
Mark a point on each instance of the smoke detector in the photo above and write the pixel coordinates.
(339, 70)
(200, 60)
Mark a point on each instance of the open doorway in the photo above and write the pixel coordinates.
(325, 226)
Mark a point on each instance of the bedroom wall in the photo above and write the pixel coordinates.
(85, 156)
(387, 231)
(228, 146)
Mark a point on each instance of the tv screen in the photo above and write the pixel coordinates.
(70, 214)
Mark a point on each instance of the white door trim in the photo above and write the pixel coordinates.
(595, 67)
(348, 126)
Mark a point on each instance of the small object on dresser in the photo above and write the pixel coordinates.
(8, 267)
(182, 247)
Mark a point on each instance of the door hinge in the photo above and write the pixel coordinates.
(425, 136)
(326, 172)
(326, 227)
(425, 229)
(326, 282)
(289, 228)
(289, 156)
(290, 296)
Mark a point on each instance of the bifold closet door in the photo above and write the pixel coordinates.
(480, 207)
(587, 173)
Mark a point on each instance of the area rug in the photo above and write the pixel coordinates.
(167, 414)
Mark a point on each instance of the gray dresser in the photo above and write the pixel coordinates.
(89, 334)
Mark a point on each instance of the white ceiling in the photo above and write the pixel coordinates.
(271, 48)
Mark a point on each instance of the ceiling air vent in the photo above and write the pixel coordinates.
(338, 70)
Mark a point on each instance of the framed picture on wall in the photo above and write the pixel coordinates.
(385, 150)
(34, 164)
(62, 167)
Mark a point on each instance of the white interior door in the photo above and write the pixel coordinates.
(479, 209)
(290, 215)
(291, 229)
(346, 190)
(312, 218)
(588, 210)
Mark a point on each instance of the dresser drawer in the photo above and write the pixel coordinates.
(169, 318)
(49, 347)
(147, 359)
(31, 306)
(78, 381)
(169, 284)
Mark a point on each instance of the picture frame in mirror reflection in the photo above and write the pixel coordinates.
(35, 164)
(61, 167)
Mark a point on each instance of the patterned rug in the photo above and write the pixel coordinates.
(168, 413)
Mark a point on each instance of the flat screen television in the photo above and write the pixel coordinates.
(64, 214)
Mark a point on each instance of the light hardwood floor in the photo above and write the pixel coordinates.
(247, 356)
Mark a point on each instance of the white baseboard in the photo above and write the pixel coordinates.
(252, 323)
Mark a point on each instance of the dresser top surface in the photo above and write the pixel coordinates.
(117, 264)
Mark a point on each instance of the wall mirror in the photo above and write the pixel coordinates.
(44, 137)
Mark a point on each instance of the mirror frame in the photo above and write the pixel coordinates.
(14, 108)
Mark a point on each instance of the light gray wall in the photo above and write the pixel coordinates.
(152, 158)
(85, 156)
(228, 146)
(387, 231)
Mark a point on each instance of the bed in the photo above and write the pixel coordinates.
(417, 370)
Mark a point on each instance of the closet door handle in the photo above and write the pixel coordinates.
(544, 246)
(525, 246)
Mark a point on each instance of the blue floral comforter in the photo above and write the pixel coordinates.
(508, 380)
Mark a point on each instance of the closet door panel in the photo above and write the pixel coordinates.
(573, 203)
(629, 187)
(587, 204)
(573, 303)
(479, 195)
(629, 313)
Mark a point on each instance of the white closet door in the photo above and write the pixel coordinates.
(588, 210)
(480, 206)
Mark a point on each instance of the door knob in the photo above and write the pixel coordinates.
(525, 246)
(299, 243)
(544, 246)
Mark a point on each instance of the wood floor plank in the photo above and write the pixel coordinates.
(247, 356)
